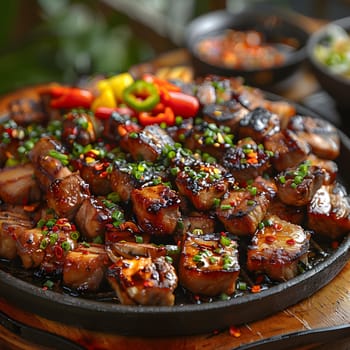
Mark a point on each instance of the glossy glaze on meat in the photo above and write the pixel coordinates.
(148, 213)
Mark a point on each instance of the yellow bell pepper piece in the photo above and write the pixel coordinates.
(105, 99)
(117, 83)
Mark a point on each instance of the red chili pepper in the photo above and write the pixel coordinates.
(72, 98)
(58, 251)
(167, 117)
(106, 112)
(182, 104)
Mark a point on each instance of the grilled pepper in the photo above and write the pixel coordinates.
(141, 96)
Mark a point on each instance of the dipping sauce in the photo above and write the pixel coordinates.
(243, 50)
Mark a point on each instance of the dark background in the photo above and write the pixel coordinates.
(62, 40)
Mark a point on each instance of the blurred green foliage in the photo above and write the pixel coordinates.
(63, 40)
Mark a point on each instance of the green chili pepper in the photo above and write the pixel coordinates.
(141, 96)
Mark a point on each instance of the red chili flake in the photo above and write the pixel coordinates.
(58, 251)
(222, 233)
(73, 227)
(55, 228)
(147, 284)
(277, 226)
(290, 241)
(256, 288)
(99, 166)
(270, 239)
(61, 221)
(103, 174)
(235, 332)
(233, 204)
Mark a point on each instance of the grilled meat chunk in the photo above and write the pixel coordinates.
(288, 149)
(329, 167)
(209, 264)
(319, 134)
(297, 185)
(198, 221)
(228, 114)
(156, 209)
(10, 224)
(126, 176)
(66, 195)
(92, 217)
(146, 144)
(247, 160)
(203, 184)
(47, 156)
(259, 124)
(329, 211)
(143, 281)
(18, 186)
(242, 210)
(81, 127)
(28, 246)
(59, 237)
(27, 110)
(94, 172)
(290, 213)
(209, 138)
(277, 248)
(84, 268)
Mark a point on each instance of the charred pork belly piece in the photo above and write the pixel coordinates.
(125, 176)
(264, 185)
(241, 210)
(10, 229)
(66, 195)
(124, 231)
(247, 160)
(18, 186)
(146, 144)
(209, 138)
(95, 173)
(228, 113)
(198, 221)
(277, 248)
(215, 89)
(58, 238)
(156, 209)
(92, 217)
(259, 124)
(204, 184)
(291, 213)
(321, 135)
(297, 185)
(209, 263)
(50, 161)
(26, 111)
(329, 167)
(329, 211)
(84, 267)
(131, 250)
(119, 124)
(29, 246)
(43, 148)
(288, 149)
(81, 127)
(143, 281)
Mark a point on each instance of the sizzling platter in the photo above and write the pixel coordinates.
(184, 317)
